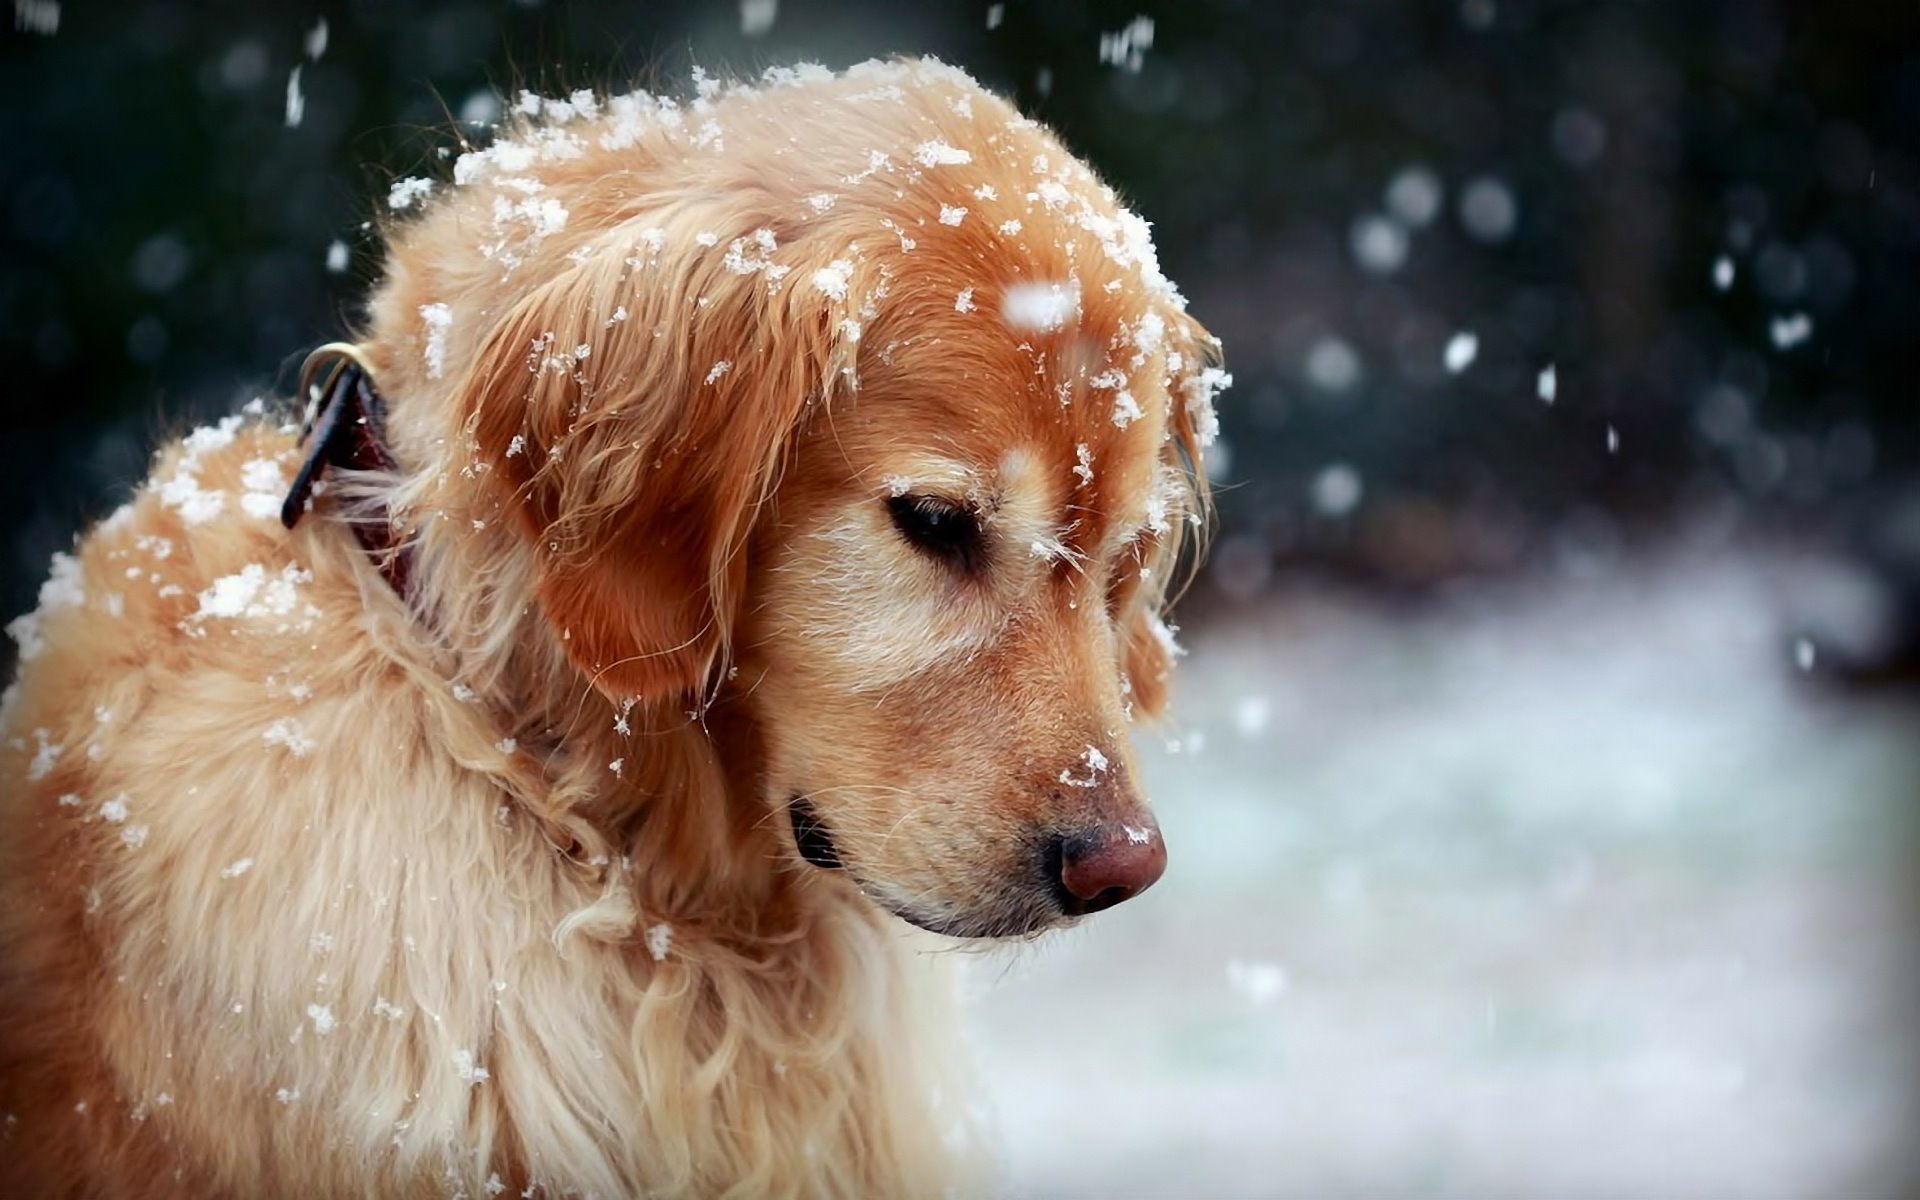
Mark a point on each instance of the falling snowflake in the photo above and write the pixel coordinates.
(1462, 349)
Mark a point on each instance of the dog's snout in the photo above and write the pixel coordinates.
(1100, 867)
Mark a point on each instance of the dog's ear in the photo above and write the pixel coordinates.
(1149, 661)
(635, 410)
(1182, 505)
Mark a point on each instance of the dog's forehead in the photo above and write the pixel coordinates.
(1026, 426)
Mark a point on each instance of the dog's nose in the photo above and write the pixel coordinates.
(1102, 866)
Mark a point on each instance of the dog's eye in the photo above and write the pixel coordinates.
(940, 529)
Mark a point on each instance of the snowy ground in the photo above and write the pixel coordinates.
(1577, 890)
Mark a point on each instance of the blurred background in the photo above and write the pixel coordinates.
(1544, 798)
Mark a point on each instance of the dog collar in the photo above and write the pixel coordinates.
(346, 428)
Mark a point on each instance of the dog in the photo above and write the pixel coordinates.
(735, 538)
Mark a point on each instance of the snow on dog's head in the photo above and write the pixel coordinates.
(706, 358)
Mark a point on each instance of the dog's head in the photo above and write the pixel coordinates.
(859, 406)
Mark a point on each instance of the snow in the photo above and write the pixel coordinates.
(952, 214)
(387, 1009)
(196, 505)
(37, 16)
(296, 99)
(1126, 410)
(1336, 490)
(438, 319)
(207, 438)
(236, 868)
(757, 16)
(1462, 349)
(1414, 196)
(266, 487)
(290, 735)
(1163, 633)
(1496, 875)
(338, 257)
(251, 593)
(1083, 467)
(1548, 385)
(64, 587)
(322, 1018)
(1251, 714)
(133, 836)
(1039, 307)
(46, 756)
(1378, 244)
(1331, 364)
(1127, 47)
(659, 940)
(405, 193)
(1052, 194)
(1050, 548)
(316, 40)
(1790, 330)
(1722, 273)
(1157, 501)
(1803, 653)
(1488, 210)
(750, 255)
(1613, 440)
(1096, 764)
(1199, 390)
(833, 278)
(995, 14)
(1260, 983)
(468, 1069)
(938, 153)
(963, 301)
(717, 370)
(1148, 335)
(114, 811)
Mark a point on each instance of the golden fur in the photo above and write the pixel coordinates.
(305, 892)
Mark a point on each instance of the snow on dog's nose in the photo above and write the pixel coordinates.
(1115, 851)
(1102, 866)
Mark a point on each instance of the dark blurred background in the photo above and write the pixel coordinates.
(1531, 831)
(1704, 216)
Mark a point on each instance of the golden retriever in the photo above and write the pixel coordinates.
(786, 482)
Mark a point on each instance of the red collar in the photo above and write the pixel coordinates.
(347, 428)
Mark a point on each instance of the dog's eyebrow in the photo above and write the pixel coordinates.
(943, 477)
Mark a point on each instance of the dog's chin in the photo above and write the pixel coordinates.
(1012, 918)
(1010, 921)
